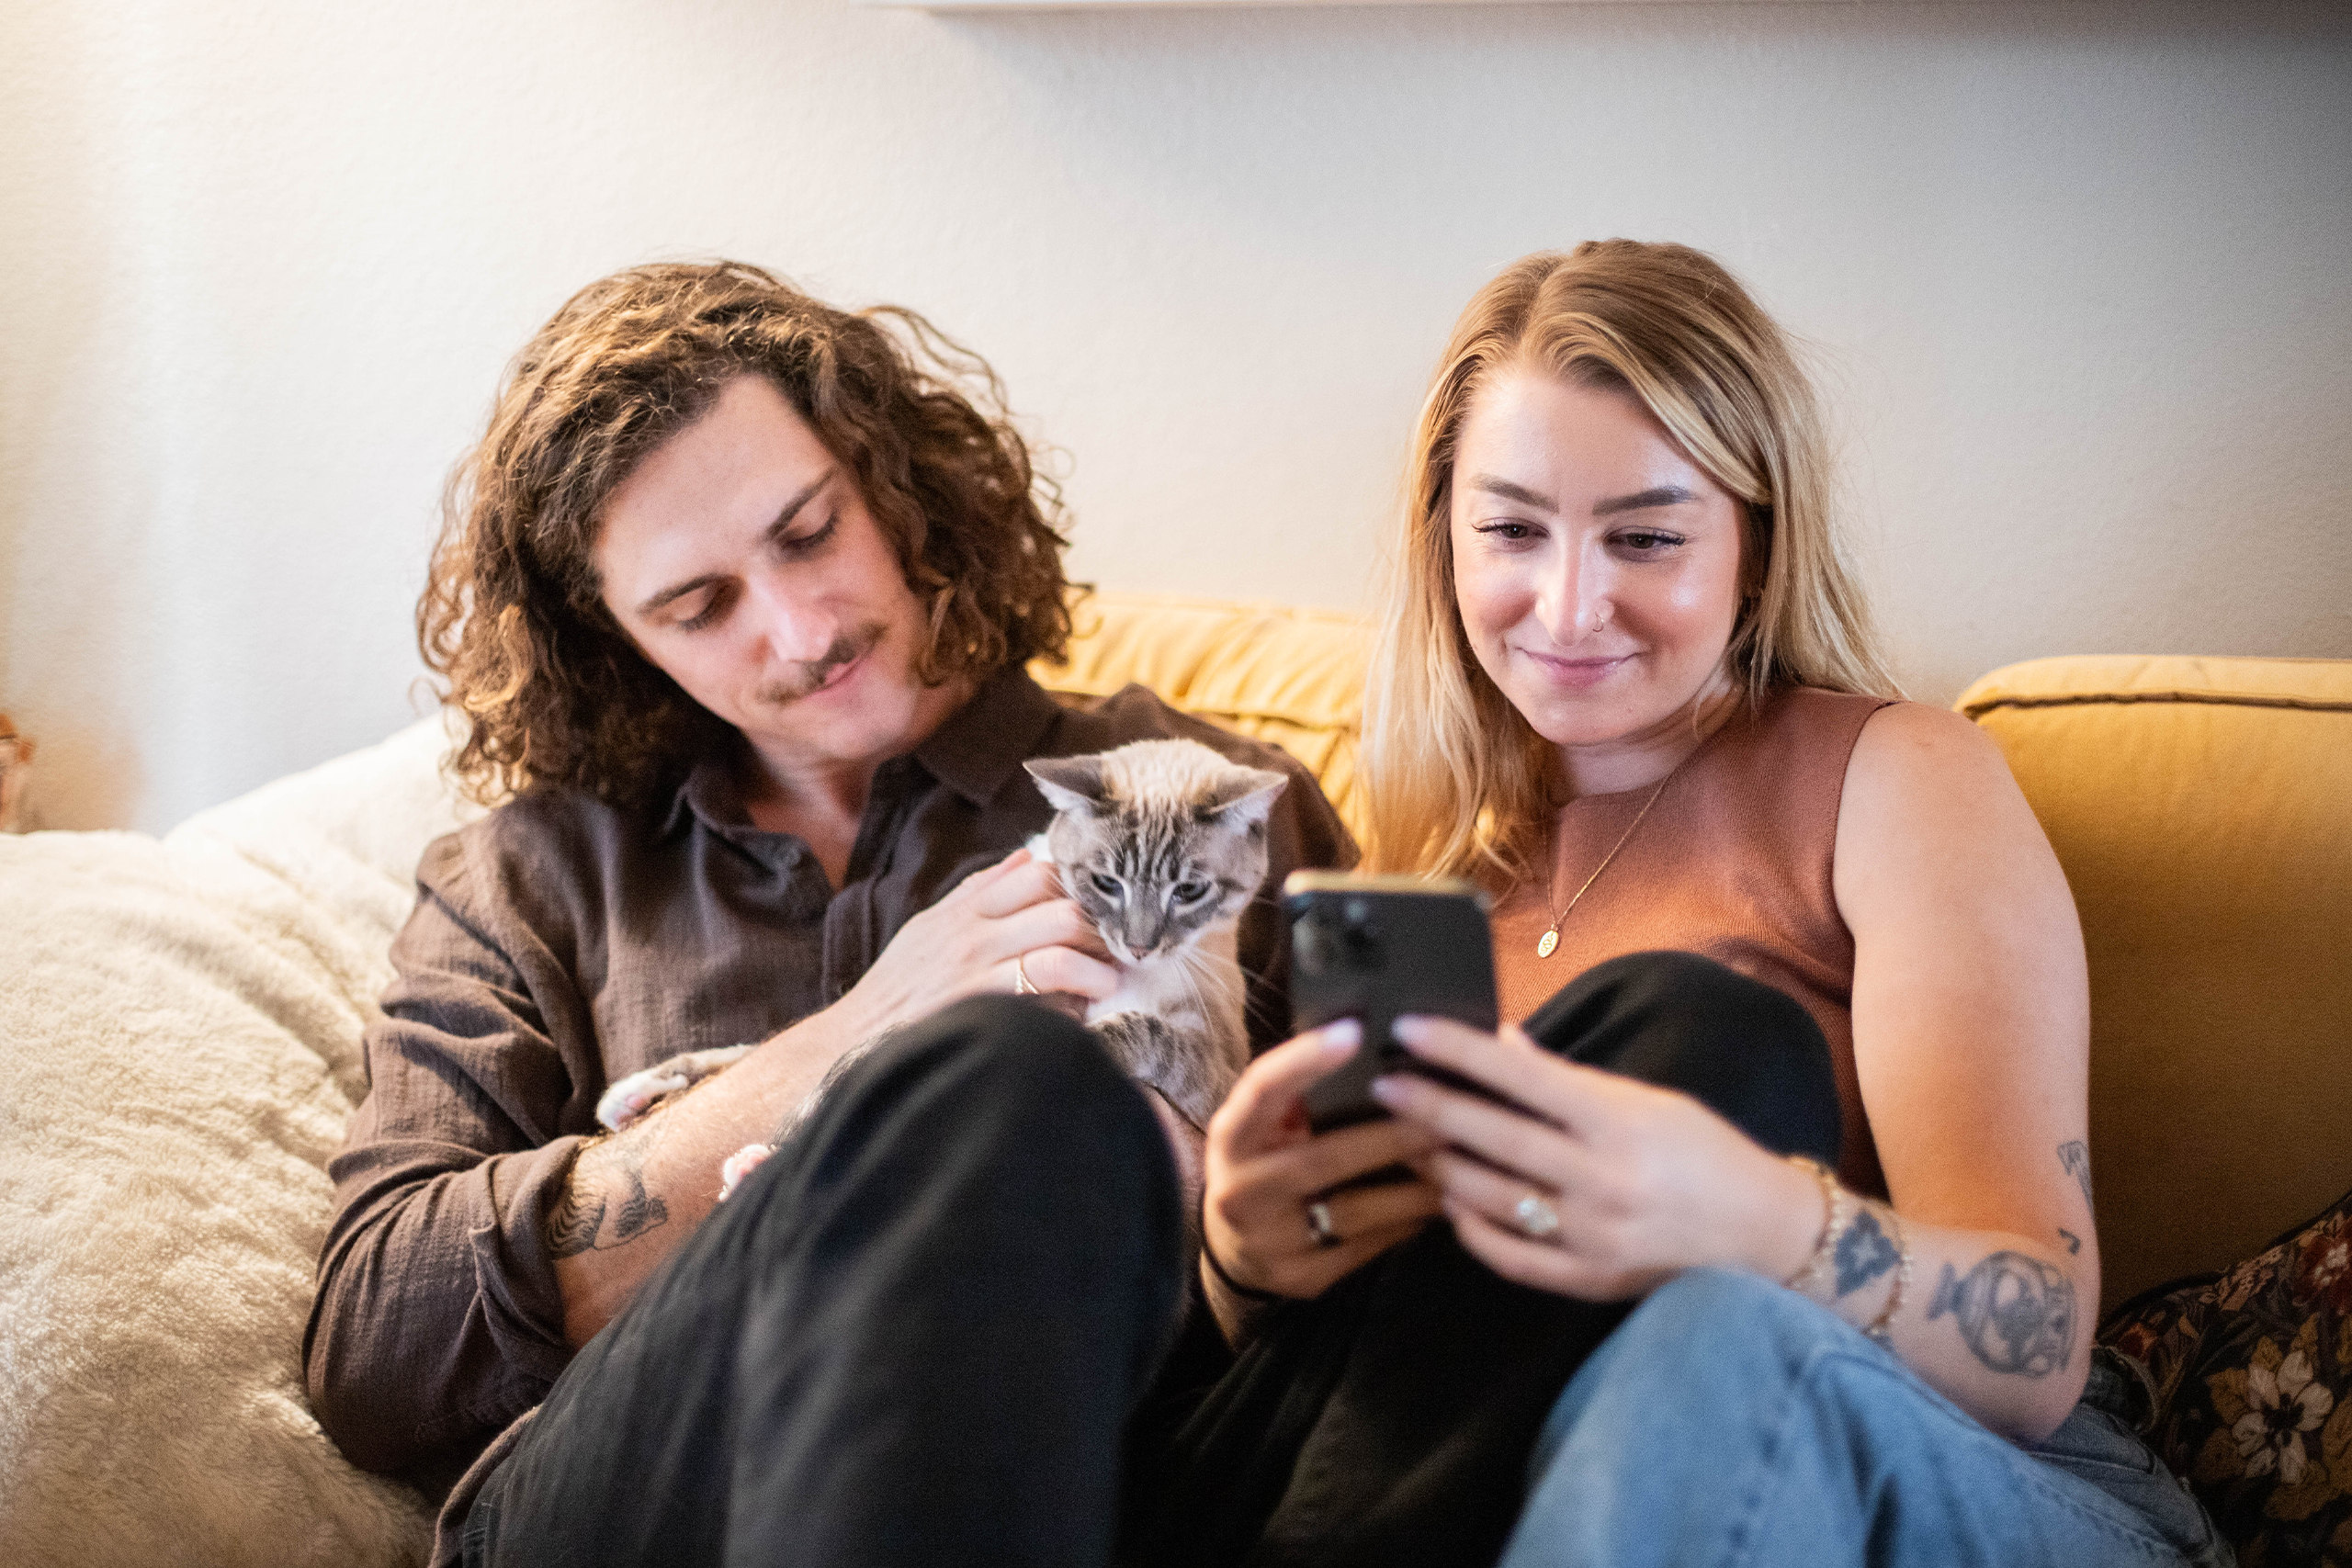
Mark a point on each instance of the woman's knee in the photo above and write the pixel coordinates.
(1725, 1322)
(1750, 1053)
(1710, 1346)
(1609, 1010)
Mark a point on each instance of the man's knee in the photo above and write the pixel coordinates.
(989, 1068)
(1000, 1044)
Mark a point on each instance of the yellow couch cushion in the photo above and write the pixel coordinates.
(2202, 809)
(1288, 676)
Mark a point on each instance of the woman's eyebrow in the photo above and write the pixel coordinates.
(1641, 500)
(1510, 491)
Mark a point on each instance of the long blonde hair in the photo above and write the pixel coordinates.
(1456, 780)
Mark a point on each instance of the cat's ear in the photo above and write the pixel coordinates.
(1069, 784)
(1244, 796)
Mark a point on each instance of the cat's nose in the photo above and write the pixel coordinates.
(1144, 929)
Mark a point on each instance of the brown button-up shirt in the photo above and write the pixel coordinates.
(559, 944)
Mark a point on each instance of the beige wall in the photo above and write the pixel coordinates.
(2079, 275)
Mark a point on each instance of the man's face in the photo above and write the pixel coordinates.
(740, 557)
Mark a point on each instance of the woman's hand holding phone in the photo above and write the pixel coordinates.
(1643, 1183)
(1265, 1166)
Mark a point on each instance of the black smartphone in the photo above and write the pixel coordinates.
(1375, 948)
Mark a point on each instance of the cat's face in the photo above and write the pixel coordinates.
(1159, 840)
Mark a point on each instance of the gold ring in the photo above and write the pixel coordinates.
(1021, 984)
(1319, 1223)
(1536, 1218)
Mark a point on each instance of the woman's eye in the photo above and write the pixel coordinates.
(1108, 886)
(1192, 891)
(1509, 531)
(1649, 544)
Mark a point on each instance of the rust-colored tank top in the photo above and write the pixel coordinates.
(1733, 862)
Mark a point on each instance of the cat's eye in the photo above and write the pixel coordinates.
(1109, 886)
(1192, 891)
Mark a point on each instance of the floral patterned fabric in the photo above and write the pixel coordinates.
(2251, 1377)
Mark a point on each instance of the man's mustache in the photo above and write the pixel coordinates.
(846, 648)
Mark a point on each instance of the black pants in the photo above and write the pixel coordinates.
(941, 1327)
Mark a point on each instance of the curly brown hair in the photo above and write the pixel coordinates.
(512, 619)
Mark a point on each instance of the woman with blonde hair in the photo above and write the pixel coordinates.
(1772, 1237)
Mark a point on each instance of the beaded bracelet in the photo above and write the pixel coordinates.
(1833, 1220)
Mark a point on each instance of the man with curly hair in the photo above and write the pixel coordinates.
(735, 597)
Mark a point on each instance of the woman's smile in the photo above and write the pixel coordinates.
(1581, 672)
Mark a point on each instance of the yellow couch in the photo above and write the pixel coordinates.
(2202, 809)
(180, 1026)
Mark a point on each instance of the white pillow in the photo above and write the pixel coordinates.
(179, 1052)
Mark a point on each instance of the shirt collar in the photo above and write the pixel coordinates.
(981, 743)
(973, 752)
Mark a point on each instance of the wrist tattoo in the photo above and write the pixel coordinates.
(1865, 1252)
(2016, 1313)
(603, 1203)
(2074, 1158)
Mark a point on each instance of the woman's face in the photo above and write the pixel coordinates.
(1596, 567)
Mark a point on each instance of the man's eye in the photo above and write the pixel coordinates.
(802, 544)
(708, 613)
(1109, 886)
(1192, 891)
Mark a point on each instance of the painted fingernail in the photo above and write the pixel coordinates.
(1387, 1091)
(1410, 1030)
(1344, 1035)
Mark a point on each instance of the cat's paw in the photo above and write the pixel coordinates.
(633, 1096)
(1183, 1069)
(740, 1164)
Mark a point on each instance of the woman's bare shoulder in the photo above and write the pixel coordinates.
(1913, 752)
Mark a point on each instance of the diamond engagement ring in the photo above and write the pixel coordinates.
(1319, 1223)
(1021, 984)
(1536, 1218)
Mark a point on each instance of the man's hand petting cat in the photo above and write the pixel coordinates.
(998, 925)
(1265, 1166)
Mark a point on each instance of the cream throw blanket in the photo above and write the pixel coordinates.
(179, 1050)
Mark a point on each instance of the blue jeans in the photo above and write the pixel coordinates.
(1728, 1421)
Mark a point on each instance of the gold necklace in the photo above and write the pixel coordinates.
(1550, 941)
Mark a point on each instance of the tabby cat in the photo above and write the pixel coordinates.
(1162, 844)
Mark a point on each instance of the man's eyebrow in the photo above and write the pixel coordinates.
(783, 521)
(1640, 501)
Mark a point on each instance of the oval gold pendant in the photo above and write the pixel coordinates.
(1551, 940)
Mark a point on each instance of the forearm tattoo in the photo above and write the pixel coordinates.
(2075, 1157)
(2016, 1313)
(604, 1203)
(1865, 1252)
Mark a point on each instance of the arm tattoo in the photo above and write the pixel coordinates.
(586, 1217)
(2017, 1313)
(2074, 1243)
(2077, 1157)
(1864, 1252)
